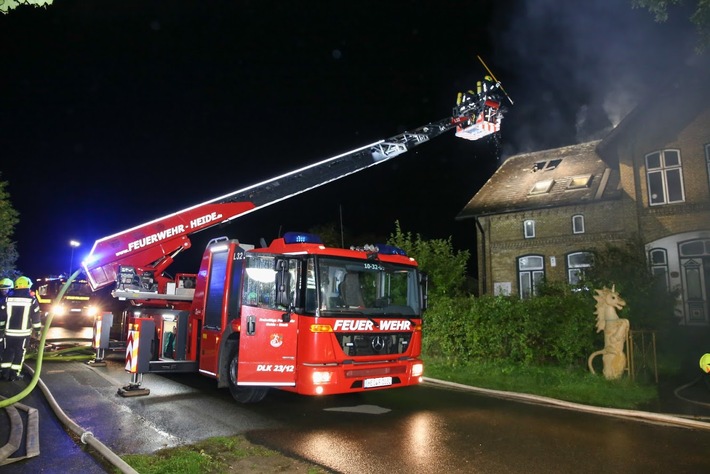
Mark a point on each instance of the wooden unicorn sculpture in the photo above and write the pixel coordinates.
(615, 332)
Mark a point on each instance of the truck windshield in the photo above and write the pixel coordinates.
(369, 287)
(52, 287)
(78, 288)
(332, 286)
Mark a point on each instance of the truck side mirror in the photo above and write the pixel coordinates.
(424, 289)
(283, 283)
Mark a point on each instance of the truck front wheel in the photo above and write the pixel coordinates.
(242, 394)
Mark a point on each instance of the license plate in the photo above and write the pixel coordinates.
(378, 382)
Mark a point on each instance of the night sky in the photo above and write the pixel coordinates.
(115, 113)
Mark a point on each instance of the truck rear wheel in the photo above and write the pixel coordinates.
(242, 394)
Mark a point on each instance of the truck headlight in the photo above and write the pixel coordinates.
(321, 377)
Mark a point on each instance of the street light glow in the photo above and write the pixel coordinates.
(73, 244)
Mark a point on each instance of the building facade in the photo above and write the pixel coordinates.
(541, 214)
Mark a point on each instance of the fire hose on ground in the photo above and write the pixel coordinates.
(85, 436)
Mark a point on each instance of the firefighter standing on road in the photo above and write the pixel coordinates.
(22, 316)
(5, 287)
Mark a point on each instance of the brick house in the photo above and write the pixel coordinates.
(541, 213)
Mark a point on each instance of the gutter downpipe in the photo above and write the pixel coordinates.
(484, 273)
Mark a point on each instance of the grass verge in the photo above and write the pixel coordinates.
(569, 384)
(222, 454)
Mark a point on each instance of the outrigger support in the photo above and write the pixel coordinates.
(134, 388)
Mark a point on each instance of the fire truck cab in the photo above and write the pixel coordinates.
(78, 306)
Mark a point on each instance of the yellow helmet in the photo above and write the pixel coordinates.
(23, 283)
(488, 78)
(705, 363)
(6, 284)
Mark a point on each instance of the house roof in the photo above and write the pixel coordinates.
(564, 176)
(660, 117)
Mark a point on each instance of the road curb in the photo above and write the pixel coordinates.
(675, 420)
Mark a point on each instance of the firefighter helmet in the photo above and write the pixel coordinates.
(705, 363)
(23, 283)
(6, 284)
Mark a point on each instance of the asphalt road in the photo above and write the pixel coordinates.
(431, 428)
(88, 395)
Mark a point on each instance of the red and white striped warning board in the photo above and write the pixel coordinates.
(132, 351)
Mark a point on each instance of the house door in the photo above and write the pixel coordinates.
(695, 268)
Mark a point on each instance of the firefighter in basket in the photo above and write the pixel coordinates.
(487, 88)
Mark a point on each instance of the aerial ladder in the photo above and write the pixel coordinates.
(136, 259)
(288, 315)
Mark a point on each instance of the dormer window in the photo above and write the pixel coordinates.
(579, 182)
(546, 165)
(542, 187)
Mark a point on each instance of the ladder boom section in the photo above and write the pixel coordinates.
(155, 243)
(304, 179)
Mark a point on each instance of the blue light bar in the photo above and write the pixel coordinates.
(386, 249)
(301, 238)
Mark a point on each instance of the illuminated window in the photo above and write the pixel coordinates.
(664, 177)
(579, 182)
(577, 263)
(542, 187)
(529, 228)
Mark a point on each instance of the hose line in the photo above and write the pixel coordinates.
(86, 436)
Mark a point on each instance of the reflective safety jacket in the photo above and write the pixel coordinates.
(3, 317)
(21, 313)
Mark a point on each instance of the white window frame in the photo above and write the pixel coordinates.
(658, 260)
(578, 224)
(579, 182)
(663, 177)
(531, 271)
(577, 262)
(529, 228)
(542, 187)
(547, 165)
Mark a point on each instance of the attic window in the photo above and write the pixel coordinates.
(546, 165)
(542, 187)
(579, 182)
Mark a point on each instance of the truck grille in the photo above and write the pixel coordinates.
(368, 344)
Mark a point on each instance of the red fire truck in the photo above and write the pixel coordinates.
(78, 306)
(293, 315)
